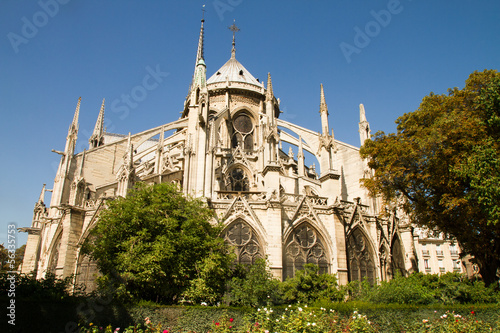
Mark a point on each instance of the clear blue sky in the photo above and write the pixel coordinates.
(49, 56)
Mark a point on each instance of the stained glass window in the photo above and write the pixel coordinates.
(243, 132)
(304, 246)
(360, 256)
(244, 241)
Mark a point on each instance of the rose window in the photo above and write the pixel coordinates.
(242, 132)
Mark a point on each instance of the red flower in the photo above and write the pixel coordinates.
(230, 326)
(231, 320)
(472, 312)
(216, 324)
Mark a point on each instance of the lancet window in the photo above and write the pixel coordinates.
(304, 246)
(244, 241)
(55, 255)
(398, 263)
(361, 257)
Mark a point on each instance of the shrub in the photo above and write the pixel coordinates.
(47, 288)
(255, 286)
(307, 285)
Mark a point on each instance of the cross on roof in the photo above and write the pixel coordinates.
(234, 29)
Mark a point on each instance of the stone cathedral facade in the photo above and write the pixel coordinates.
(230, 147)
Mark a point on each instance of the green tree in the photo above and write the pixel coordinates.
(443, 165)
(152, 242)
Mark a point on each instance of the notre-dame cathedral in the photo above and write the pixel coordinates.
(228, 147)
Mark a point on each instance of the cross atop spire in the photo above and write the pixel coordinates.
(234, 29)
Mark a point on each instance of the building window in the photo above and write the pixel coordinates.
(439, 251)
(304, 246)
(425, 252)
(243, 132)
(456, 266)
(426, 265)
(55, 255)
(87, 273)
(360, 256)
(453, 250)
(237, 180)
(441, 265)
(244, 242)
(398, 261)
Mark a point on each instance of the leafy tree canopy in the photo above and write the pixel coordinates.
(154, 241)
(443, 166)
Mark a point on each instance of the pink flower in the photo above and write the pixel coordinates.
(165, 331)
(231, 320)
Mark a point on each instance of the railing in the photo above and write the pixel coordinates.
(442, 269)
(425, 252)
(318, 201)
(439, 253)
(229, 195)
(454, 252)
(427, 269)
(457, 269)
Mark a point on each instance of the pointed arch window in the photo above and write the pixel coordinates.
(86, 273)
(360, 256)
(243, 131)
(54, 258)
(237, 180)
(398, 262)
(304, 246)
(244, 241)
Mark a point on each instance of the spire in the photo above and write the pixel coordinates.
(199, 76)
(234, 29)
(322, 106)
(364, 125)
(97, 138)
(74, 125)
(323, 110)
(200, 52)
(42, 195)
(269, 91)
(362, 115)
(72, 133)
